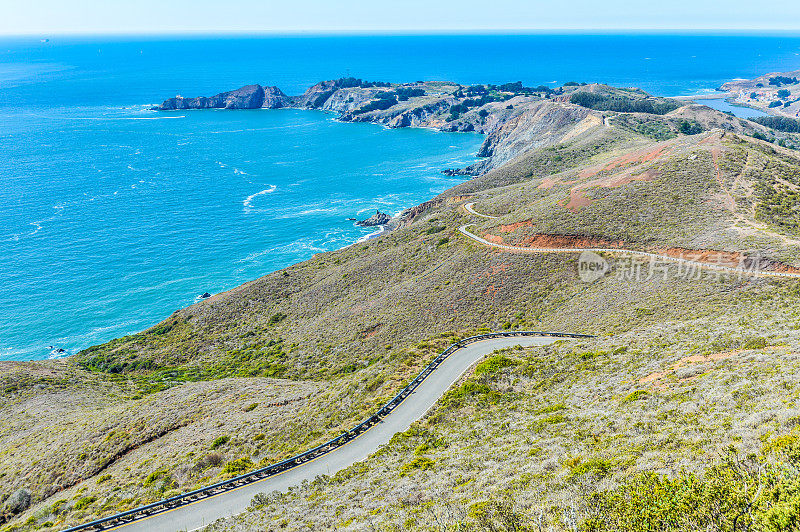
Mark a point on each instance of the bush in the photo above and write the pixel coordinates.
(783, 94)
(774, 104)
(220, 441)
(420, 462)
(741, 493)
(782, 80)
(690, 127)
(779, 123)
(209, 460)
(599, 102)
(595, 466)
(635, 396)
(17, 502)
(755, 343)
(494, 364)
(383, 102)
(84, 502)
(240, 465)
(404, 93)
(277, 318)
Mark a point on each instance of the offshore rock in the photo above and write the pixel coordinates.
(248, 97)
(379, 218)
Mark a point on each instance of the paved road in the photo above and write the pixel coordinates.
(469, 208)
(206, 511)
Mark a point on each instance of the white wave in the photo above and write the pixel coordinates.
(381, 229)
(239, 172)
(248, 201)
(55, 354)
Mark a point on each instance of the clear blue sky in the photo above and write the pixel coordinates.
(170, 16)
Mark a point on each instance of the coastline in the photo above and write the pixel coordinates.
(503, 129)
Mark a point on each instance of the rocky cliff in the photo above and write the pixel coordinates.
(248, 97)
(514, 119)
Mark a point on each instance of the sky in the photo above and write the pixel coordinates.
(46, 17)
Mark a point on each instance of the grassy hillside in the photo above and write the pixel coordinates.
(286, 361)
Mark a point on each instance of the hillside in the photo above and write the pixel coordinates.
(685, 363)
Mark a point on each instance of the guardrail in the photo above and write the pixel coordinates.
(129, 516)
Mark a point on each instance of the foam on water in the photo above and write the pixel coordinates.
(248, 201)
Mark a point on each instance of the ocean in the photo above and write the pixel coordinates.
(112, 216)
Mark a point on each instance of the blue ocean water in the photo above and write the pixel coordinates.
(112, 216)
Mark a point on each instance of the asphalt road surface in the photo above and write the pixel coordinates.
(206, 511)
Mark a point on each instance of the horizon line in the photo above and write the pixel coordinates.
(403, 32)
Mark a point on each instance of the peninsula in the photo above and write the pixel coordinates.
(682, 396)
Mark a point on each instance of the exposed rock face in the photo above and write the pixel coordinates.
(317, 95)
(17, 502)
(274, 98)
(513, 124)
(379, 218)
(248, 97)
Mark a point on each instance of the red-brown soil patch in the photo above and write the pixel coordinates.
(783, 268)
(546, 184)
(709, 256)
(731, 259)
(510, 228)
(577, 200)
(494, 239)
(636, 157)
(568, 241)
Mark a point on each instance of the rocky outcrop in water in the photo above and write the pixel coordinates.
(379, 218)
(248, 97)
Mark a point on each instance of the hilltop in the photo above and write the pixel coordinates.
(684, 363)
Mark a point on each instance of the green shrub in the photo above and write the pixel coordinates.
(250, 408)
(220, 441)
(154, 476)
(468, 392)
(84, 502)
(277, 318)
(595, 466)
(240, 465)
(420, 462)
(755, 343)
(493, 364)
(635, 396)
(599, 102)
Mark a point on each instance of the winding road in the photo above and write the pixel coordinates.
(205, 511)
(739, 270)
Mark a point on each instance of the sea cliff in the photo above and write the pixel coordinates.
(513, 117)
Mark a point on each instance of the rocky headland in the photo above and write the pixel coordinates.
(513, 117)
